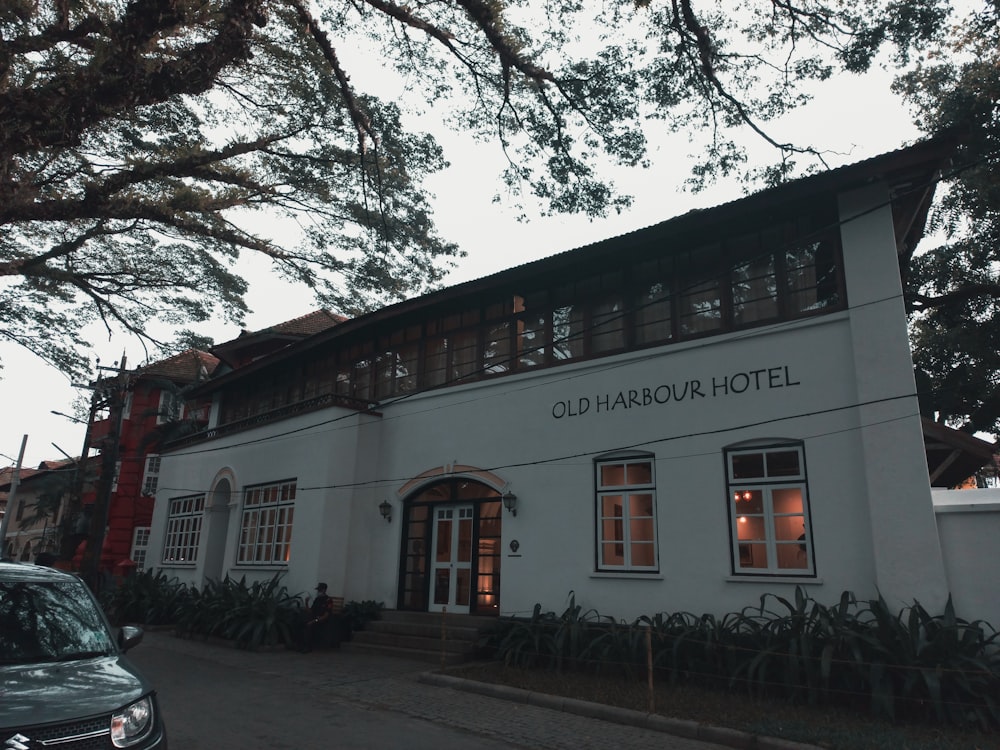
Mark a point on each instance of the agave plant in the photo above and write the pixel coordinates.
(906, 662)
(263, 615)
(942, 662)
(147, 597)
(251, 615)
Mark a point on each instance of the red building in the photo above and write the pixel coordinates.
(156, 409)
(153, 408)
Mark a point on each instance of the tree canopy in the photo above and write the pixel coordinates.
(953, 289)
(138, 137)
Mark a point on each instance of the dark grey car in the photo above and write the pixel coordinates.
(65, 681)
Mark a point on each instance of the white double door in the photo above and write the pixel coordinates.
(451, 562)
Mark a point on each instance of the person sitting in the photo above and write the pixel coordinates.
(318, 620)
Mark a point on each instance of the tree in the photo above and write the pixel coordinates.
(187, 339)
(953, 290)
(52, 489)
(54, 499)
(136, 136)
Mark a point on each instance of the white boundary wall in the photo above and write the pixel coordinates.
(969, 524)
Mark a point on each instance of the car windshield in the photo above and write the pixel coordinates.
(50, 621)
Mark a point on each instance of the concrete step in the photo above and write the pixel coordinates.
(375, 638)
(424, 630)
(418, 635)
(475, 621)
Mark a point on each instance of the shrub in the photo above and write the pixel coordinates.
(901, 664)
(359, 614)
(259, 614)
(553, 641)
(146, 597)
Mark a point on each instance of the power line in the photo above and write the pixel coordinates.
(591, 370)
(634, 446)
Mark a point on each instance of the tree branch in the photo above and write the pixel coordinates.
(961, 295)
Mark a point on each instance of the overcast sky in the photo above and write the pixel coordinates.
(852, 117)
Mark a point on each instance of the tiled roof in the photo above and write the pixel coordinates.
(308, 324)
(953, 455)
(250, 345)
(916, 164)
(304, 325)
(185, 367)
(7, 472)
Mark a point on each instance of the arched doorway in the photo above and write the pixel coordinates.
(218, 528)
(450, 557)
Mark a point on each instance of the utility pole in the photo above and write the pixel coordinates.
(15, 480)
(73, 534)
(90, 567)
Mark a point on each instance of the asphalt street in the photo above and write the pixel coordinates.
(215, 697)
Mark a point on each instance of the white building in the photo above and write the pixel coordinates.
(683, 418)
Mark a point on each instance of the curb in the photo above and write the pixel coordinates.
(734, 738)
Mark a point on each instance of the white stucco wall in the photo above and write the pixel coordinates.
(840, 383)
(903, 534)
(509, 426)
(969, 525)
(318, 450)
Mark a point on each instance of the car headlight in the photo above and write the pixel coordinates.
(133, 723)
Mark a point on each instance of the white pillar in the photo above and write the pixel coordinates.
(907, 552)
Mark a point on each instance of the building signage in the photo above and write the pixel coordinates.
(735, 384)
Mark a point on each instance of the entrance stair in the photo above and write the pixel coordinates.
(438, 638)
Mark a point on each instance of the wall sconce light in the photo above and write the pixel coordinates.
(385, 508)
(510, 502)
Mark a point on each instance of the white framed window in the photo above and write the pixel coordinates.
(171, 407)
(151, 475)
(266, 525)
(769, 510)
(626, 514)
(140, 543)
(184, 517)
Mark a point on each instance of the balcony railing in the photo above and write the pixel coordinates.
(323, 401)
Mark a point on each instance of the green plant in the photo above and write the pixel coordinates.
(851, 654)
(251, 615)
(567, 640)
(147, 597)
(359, 613)
(942, 662)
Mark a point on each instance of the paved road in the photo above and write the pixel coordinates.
(218, 698)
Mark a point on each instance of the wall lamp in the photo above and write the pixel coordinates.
(385, 508)
(510, 502)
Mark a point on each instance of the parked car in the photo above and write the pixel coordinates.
(64, 678)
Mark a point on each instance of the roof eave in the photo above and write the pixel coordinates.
(910, 164)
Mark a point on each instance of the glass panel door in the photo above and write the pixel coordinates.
(451, 562)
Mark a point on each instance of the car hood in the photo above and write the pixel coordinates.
(44, 693)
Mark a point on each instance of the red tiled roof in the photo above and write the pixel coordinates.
(916, 164)
(304, 325)
(7, 472)
(185, 367)
(251, 345)
(308, 324)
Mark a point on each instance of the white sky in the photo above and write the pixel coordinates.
(853, 117)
